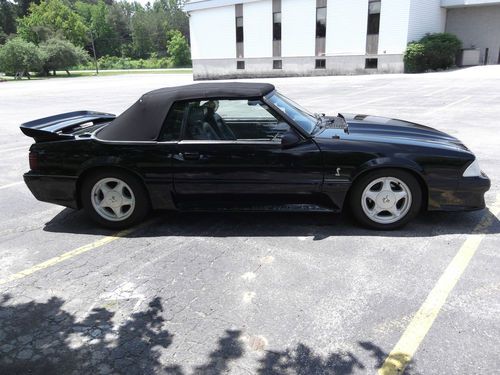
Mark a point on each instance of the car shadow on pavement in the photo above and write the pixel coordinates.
(277, 224)
(41, 338)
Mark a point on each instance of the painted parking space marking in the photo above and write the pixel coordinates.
(71, 254)
(15, 149)
(11, 185)
(422, 321)
(448, 105)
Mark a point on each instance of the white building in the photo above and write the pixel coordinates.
(264, 38)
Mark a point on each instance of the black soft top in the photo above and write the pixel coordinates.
(144, 119)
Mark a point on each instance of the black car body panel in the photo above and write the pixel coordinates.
(315, 172)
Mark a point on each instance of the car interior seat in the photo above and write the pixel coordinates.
(197, 127)
(216, 121)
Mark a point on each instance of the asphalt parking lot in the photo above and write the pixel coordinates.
(252, 293)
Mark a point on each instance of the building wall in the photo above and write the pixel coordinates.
(213, 33)
(293, 66)
(258, 29)
(394, 18)
(213, 38)
(346, 27)
(298, 27)
(426, 16)
(477, 27)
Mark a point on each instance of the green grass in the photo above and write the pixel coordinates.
(90, 73)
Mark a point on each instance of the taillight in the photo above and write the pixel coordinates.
(33, 160)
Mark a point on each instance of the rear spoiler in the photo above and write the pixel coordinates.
(60, 126)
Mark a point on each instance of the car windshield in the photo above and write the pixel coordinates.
(301, 116)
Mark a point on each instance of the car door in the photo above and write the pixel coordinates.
(231, 153)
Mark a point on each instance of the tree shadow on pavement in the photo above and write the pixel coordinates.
(250, 224)
(44, 339)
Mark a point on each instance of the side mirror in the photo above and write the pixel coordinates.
(289, 139)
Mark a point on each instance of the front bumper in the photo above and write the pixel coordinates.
(467, 196)
(59, 190)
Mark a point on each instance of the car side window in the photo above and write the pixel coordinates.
(171, 130)
(227, 119)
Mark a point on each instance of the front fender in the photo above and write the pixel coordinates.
(389, 162)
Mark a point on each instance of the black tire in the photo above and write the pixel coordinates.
(356, 197)
(141, 206)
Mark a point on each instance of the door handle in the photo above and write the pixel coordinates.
(190, 155)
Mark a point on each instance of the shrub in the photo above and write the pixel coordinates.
(414, 58)
(19, 56)
(432, 52)
(114, 62)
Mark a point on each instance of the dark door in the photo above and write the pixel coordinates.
(231, 154)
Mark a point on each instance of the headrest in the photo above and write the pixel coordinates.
(195, 114)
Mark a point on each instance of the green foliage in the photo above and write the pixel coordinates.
(96, 17)
(149, 33)
(178, 50)
(126, 35)
(60, 54)
(24, 6)
(114, 62)
(3, 37)
(56, 16)
(432, 52)
(414, 58)
(17, 55)
(8, 14)
(172, 11)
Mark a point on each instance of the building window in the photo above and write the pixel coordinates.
(277, 26)
(238, 13)
(240, 65)
(321, 22)
(239, 29)
(320, 64)
(373, 17)
(371, 63)
(320, 27)
(277, 64)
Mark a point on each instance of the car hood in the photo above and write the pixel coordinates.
(389, 130)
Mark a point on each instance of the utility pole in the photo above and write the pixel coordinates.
(95, 56)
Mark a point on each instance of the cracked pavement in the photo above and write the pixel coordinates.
(247, 293)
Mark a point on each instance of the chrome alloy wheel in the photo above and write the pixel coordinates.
(113, 199)
(386, 200)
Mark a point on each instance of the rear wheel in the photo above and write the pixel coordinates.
(114, 199)
(386, 199)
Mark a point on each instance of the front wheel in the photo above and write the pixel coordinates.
(386, 199)
(114, 199)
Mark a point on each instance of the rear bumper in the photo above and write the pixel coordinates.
(59, 190)
(467, 196)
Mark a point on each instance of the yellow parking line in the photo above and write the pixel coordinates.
(68, 255)
(414, 334)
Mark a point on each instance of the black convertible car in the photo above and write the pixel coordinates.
(245, 146)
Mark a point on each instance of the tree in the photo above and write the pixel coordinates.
(96, 17)
(176, 18)
(60, 54)
(24, 6)
(178, 49)
(19, 56)
(57, 16)
(118, 18)
(8, 14)
(142, 43)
